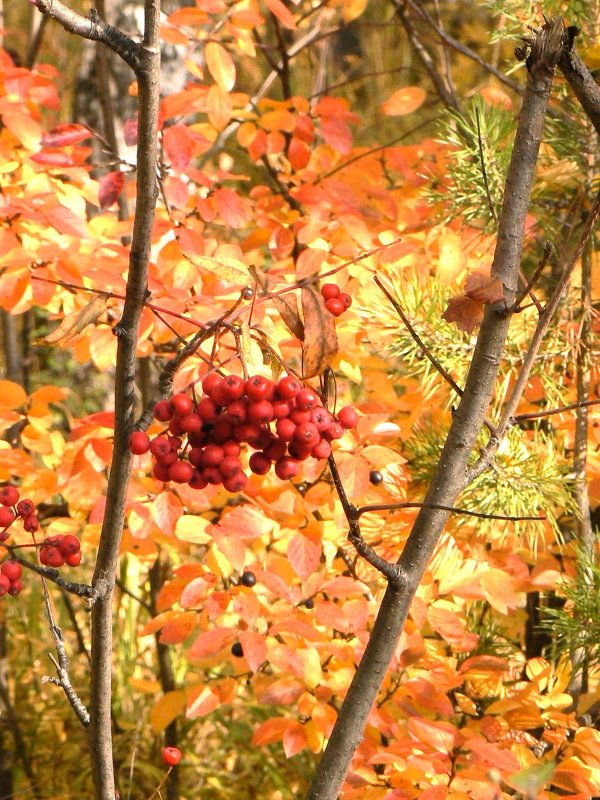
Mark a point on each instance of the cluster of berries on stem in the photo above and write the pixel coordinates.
(56, 551)
(285, 423)
(11, 508)
(336, 301)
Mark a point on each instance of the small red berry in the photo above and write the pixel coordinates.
(54, 558)
(347, 417)
(7, 516)
(306, 399)
(288, 387)
(259, 463)
(233, 387)
(329, 291)
(281, 409)
(286, 468)
(25, 508)
(334, 431)
(260, 412)
(181, 472)
(197, 480)
(229, 466)
(4, 584)
(335, 306)
(16, 587)
(171, 756)
(307, 434)
(260, 388)
(181, 404)
(139, 443)
(321, 450)
(298, 416)
(161, 472)
(212, 455)
(236, 483)
(161, 446)
(223, 429)
(207, 409)
(73, 559)
(212, 475)
(31, 523)
(68, 545)
(321, 418)
(191, 423)
(286, 429)
(299, 452)
(167, 459)
(9, 495)
(175, 427)
(231, 448)
(162, 411)
(276, 449)
(211, 382)
(12, 570)
(345, 299)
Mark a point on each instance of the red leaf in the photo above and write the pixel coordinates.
(283, 14)
(177, 143)
(254, 647)
(465, 312)
(210, 642)
(69, 133)
(304, 554)
(270, 731)
(130, 131)
(294, 739)
(337, 134)
(234, 210)
(111, 186)
(298, 153)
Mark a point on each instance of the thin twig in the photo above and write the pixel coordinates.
(561, 410)
(516, 306)
(483, 168)
(453, 509)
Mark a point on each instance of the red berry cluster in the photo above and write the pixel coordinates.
(336, 302)
(10, 578)
(11, 508)
(284, 422)
(56, 551)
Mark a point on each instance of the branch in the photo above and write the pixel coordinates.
(467, 423)
(582, 83)
(452, 509)
(92, 28)
(51, 574)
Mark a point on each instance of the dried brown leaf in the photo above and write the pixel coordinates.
(320, 339)
(76, 321)
(287, 306)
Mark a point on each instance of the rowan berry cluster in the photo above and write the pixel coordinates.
(336, 302)
(10, 578)
(11, 507)
(285, 423)
(56, 551)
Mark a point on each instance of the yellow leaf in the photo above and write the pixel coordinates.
(229, 270)
(404, 101)
(166, 709)
(190, 528)
(220, 65)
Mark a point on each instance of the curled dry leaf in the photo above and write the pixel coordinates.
(467, 309)
(287, 306)
(484, 289)
(76, 321)
(320, 339)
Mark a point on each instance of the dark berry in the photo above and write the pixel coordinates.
(309, 603)
(237, 650)
(375, 477)
(248, 579)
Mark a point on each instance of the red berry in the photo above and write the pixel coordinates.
(12, 570)
(230, 466)
(223, 429)
(31, 523)
(335, 306)
(161, 472)
(7, 516)
(139, 443)
(195, 456)
(25, 508)
(191, 423)
(181, 404)
(299, 452)
(231, 448)
(321, 418)
(286, 429)
(9, 495)
(54, 558)
(347, 417)
(281, 409)
(197, 480)
(306, 400)
(69, 545)
(236, 483)
(4, 584)
(175, 442)
(212, 475)
(167, 459)
(197, 439)
(259, 463)
(207, 409)
(329, 291)
(288, 387)
(286, 468)
(181, 472)
(212, 455)
(211, 382)
(162, 411)
(262, 439)
(233, 387)
(73, 559)
(298, 416)
(275, 450)
(175, 426)
(238, 411)
(16, 587)
(246, 432)
(321, 450)
(307, 434)
(161, 446)
(171, 756)
(260, 412)
(334, 431)
(346, 299)
(260, 388)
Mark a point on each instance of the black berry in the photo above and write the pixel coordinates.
(237, 650)
(248, 579)
(375, 477)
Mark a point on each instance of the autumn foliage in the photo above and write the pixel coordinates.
(267, 197)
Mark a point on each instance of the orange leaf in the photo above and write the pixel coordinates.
(178, 628)
(283, 14)
(404, 101)
(483, 289)
(270, 731)
(304, 554)
(220, 65)
(210, 642)
(439, 735)
(236, 211)
(166, 708)
(320, 338)
(219, 107)
(11, 395)
(465, 312)
(294, 739)
(337, 134)
(254, 647)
